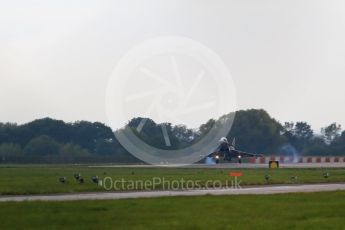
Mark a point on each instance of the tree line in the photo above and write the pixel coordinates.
(255, 131)
(55, 140)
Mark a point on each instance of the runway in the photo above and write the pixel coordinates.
(282, 165)
(230, 166)
(262, 190)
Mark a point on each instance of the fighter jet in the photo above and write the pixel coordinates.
(228, 152)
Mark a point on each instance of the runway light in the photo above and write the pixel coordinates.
(239, 157)
(217, 157)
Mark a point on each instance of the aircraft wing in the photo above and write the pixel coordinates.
(217, 151)
(245, 154)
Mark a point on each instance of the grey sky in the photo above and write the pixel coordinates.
(287, 57)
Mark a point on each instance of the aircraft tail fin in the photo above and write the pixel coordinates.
(234, 142)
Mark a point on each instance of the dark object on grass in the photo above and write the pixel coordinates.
(77, 176)
(294, 178)
(63, 179)
(267, 177)
(81, 180)
(326, 175)
(95, 179)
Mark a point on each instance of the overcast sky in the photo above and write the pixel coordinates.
(287, 57)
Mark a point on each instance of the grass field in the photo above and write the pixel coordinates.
(293, 211)
(45, 179)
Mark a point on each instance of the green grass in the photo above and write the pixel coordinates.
(291, 211)
(44, 179)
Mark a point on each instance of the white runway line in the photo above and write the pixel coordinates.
(263, 190)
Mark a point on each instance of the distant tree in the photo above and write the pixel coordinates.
(5, 132)
(88, 134)
(288, 129)
(316, 147)
(331, 132)
(337, 147)
(42, 145)
(298, 135)
(73, 150)
(205, 128)
(182, 136)
(105, 147)
(256, 131)
(57, 129)
(9, 149)
(289, 133)
(148, 131)
(303, 131)
(12, 133)
(152, 133)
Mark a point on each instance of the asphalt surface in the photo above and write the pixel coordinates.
(231, 165)
(262, 190)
